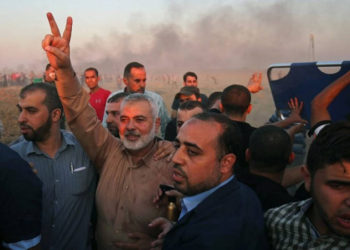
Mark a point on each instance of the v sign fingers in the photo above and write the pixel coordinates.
(57, 46)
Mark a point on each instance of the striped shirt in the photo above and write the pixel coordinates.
(289, 228)
(68, 192)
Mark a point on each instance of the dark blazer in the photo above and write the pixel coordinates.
(230, 218)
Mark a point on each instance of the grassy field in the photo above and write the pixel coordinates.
(9, 113)
(164, 84)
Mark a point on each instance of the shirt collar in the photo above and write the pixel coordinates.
(145, 160)
(303, 210)
(66, 140)
(191, 202)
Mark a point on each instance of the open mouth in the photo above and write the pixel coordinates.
(132, 137)
(344, 221)
(177, 176)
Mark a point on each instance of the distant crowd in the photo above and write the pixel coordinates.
(131, 175)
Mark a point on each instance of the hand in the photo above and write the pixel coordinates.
(165, 226)
(166, 149)
(140, 241)
(296, 108)
(159, 198)
(254, 83)
(57, 46)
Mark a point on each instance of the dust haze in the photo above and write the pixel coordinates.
(225, 36)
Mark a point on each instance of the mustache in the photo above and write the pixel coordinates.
(24, 125)
(179, 169)
(131, 132)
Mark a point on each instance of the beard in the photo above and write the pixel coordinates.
(113, 129)
(39, 134)
(142, 141)
(189, 189)
(329, 221)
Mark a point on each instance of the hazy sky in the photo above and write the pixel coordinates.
(177, 35)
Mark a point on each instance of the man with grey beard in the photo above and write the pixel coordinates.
(129, 174)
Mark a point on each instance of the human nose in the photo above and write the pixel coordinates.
(177, 158)
(347, 202)
(21, 117)
(109, 118)
(130, 125)
(143, 84)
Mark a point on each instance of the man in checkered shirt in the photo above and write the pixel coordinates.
(323, 221)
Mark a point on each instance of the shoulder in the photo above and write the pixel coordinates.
(71, 140)
(291, 210)
(20, 146)
(11, 164)
(105, 91)
(8, 155)
(153, 95)
(114, 93)
(234, 198)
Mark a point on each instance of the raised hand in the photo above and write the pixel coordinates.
(296, 107)
(254, 83)
(57, 46)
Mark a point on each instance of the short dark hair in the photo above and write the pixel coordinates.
(235, 99)
(331, 145)
(189, 74)
(189, 105)
(188, 91)
(92, 69)
(229, 140)
(213, 98)
(47, 66)
(270, 148)
(131, 65)
(117, 97)
(51, 101)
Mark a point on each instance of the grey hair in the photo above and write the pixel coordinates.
(136, 97)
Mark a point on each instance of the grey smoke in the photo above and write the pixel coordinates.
(226, 36)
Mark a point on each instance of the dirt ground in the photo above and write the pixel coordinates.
(167, 85)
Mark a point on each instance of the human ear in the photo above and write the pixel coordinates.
(249, 109)
(226, 163)
(247, 155)
(307, 177)
(158, 122)
(221, 107)
(56, 114)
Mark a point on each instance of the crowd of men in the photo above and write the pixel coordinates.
(106, 184)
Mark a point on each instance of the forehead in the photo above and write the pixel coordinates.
(136, 108)
(33, 98)
(184, 115)
(138, 72)
(193, 130)
(90, 73)
(113, 106)
(50, 69)
(187, 97)
(338, 171)
(190, 78)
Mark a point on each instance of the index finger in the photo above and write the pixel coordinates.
(54, 28)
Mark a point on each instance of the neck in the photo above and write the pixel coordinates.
(315, 217)
(51, 144)
(93, 90)
(137, 155)
(237, 117)
(276, 177)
